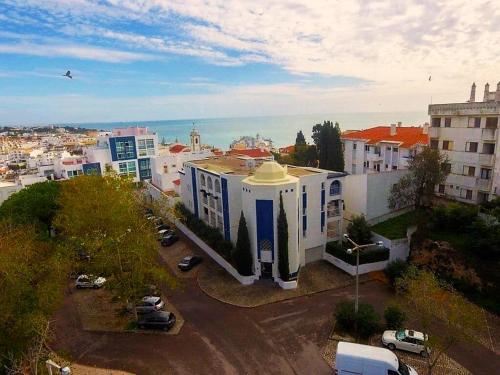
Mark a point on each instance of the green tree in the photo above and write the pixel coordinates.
(434, 304)
(326, 137)
(300, 140)
(35, 204)
(425, 170)
(242, 253)
(102, 215)
(283, 262)
(359, 230)
(32, 278)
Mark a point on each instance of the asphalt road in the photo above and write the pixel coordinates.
(280, 338)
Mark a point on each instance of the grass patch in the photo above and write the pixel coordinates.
(396, 227)
(369, 255)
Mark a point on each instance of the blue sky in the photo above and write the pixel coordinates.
(159, 59)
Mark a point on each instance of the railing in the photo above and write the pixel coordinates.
(484, 184)
(489, 134)
(486, 159)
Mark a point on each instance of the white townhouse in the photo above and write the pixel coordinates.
(468, 134)
(382, 148)
(128, 151)
(218, 189)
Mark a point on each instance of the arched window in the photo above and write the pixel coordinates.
(202, 180)
(209, 183)
(335, 188)
(217, 186)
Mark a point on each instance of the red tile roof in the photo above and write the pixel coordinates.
(177, 182)
(177, 148)
(287, 149)
(252, 152)
(406, 136)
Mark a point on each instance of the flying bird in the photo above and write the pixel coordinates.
(68, 74)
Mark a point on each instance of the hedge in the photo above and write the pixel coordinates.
(211, 236)
(368, 255)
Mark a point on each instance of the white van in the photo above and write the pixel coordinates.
(357, 359)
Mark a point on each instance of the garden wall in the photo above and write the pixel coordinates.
(245, 280)
(350, 269)
(399, 248)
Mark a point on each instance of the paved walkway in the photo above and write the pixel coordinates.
(285, 337)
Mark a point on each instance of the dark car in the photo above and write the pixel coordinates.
(148, 211)
(169, 239)
(162, 226)
(157, 320)
(189, 262)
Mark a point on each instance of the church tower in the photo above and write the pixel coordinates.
(195, 140)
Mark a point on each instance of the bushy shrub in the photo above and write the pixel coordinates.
(359, 230)
(396, 269)
(363, 324)
(453, 217)
(369, 255)
(394, 317)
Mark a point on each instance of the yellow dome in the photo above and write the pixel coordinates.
(269, 172)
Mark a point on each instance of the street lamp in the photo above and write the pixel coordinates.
(357, 248)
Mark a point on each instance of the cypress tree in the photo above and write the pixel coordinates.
(326, 137)
(283, 266)
(242, 253)
(300, 140)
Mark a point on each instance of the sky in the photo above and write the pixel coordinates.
(171, 59)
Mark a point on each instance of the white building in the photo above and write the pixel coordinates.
(218, 189)
(468, 134)
(382, 148)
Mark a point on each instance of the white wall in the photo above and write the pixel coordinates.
(355, 195)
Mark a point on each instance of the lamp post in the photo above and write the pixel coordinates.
(357, 248)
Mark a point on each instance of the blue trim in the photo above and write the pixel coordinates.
(322, 221)
(225, 210)
(144, 173)
(92, 168)
(322, 197)
(304, 203)
(112, 147)
(195, 192)
(304, 223)
(265, 223)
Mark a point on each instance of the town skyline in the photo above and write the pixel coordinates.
(167, 60)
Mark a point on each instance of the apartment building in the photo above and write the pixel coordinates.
(468, 134)
(218, 189)
(382, 148)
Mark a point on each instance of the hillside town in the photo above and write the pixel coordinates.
(261, 228)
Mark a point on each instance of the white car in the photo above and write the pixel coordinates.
(89, 281)
(149, 304)
(409, 340)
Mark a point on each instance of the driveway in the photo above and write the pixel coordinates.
(280, 338)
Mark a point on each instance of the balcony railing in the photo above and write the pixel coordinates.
(486, 159)
(484, 184)
(489, 134)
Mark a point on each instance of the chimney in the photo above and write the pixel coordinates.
(393, 129)
(425, 128)
(473, 93)
(486, 92)
(497, 93)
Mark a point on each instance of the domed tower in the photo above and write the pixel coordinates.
(195, 140)
(261, 207)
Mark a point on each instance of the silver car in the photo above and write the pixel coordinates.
(89, 281)
(408, 340)
(149, 304)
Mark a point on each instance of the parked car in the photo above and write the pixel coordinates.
(164, 232)
(151, 217)
(169, 239)
(149, 304)
(409, 340)
(157, 320)
(89, 281)
(189, 262)
(368, 360)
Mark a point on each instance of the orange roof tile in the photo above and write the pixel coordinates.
(177, 148)
(406, 136)
(287, 149)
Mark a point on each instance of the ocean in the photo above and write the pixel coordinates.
(220, 132)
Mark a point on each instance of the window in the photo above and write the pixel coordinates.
(146, 147)
(441, 188)
(491, 122)
(468, 194)
(333, 208)
(475, 122)
(471, 146)
(125, 149)
(488, 148)
(354, 146)
(447, 167)
(447, 145)
(144, 168)
(485, 173)
(335, 188)
(436, 122)
(434, 144)
(367, 148)
(469, 171)
(74, 173)
(447, 122)
(210, 185)
(127, 169)
(217, 186)
(203, 181)
(394, 149)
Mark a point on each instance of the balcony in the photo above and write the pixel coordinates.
(486, 159)
(489, 134)
(484, 184)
